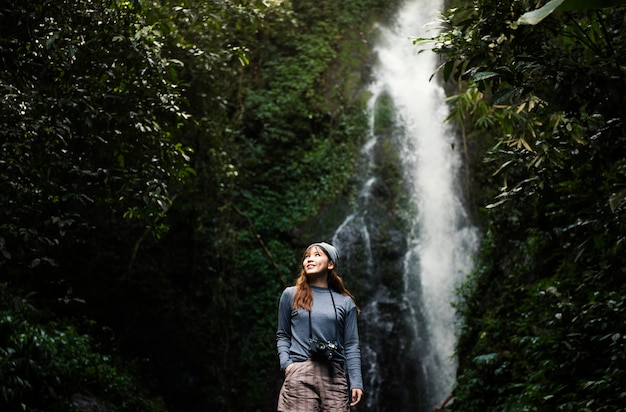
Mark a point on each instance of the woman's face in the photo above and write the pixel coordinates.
(316, 262)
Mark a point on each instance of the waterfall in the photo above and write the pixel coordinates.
(408, 321)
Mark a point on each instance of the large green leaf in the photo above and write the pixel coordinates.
(535, 16)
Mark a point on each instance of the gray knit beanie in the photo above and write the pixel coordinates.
(330, 250)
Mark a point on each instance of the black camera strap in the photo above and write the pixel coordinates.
(336, 320)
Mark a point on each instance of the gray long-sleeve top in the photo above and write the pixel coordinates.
(292, 335)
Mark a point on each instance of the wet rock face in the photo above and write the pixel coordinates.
(389, 332)
(391, 366)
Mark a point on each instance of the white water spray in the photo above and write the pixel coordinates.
(440, 242)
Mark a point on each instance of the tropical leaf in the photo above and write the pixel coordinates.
(479, 76)
(535, 16)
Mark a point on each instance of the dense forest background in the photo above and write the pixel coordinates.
(540, 101)
(163, 164)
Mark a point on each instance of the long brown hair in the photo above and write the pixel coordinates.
(303, 298)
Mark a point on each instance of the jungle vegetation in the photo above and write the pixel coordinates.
(160, 164)
(163, 163)
(541, 105)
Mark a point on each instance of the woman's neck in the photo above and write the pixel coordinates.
(321, 280)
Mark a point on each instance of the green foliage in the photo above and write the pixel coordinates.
(158, 162)
(90, 110)
(300, 110)
(542, 328)
(46, 366)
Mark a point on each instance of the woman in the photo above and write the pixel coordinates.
(318, 339)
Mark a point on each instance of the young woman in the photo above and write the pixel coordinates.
(317, 338)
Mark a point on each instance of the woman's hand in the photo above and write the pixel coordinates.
(357, 395)
(288, 367)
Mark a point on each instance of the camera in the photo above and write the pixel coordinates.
(324, 350)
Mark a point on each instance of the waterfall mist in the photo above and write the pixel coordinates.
(413, 261)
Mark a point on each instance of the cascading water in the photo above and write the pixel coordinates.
(407, 321)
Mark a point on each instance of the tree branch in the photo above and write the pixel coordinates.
(258, 237)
